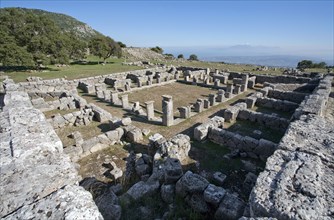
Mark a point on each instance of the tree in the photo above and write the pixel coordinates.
(193, 57)
(307, 64)
(37, 37)
(13, 55)
(180, 56)
(157, 49)
(304, 64)
(321, 65)
(104, 47)
(121, 44)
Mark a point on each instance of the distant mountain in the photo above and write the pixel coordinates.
(270, 60)
(249, 54)
(65, 22)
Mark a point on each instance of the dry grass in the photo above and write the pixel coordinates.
(92, 166)
(88, 131)
(186, 126)
(51, 113)
(183, 94)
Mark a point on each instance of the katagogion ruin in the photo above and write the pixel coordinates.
(228, 145)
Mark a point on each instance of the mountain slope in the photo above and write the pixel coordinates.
(65, 23)
(33, 37)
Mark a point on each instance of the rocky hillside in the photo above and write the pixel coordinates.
(64, 22)
(142, 54)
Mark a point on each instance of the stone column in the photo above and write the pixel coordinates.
(184, 112)
(139, 84)
(106, 94)
(186, 78)
(225, 79)
(167, 110)
(237, 89)
(217, 83)
(159, 79)
(150, 110)
(199, 105)
(207, 81)
(149, 80)
(207, 71)
(221, 95)
(212, 99)
(127, 87)
(217, 71)
(99, 94)
(245, 78)
(125, 101)
(229, 88)
(206, 103)
(195, 80)
(114, 98)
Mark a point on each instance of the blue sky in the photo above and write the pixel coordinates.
(284, 27)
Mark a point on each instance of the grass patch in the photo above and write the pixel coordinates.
(210, 156)
(224, 66)
(75, 70)
(150, 207)
(91, 166)
(49, 114)
(88, 131)
(182, 94)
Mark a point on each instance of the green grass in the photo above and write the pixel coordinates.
(245, 127)
(224, 66)
(210, 156)
(75, 71)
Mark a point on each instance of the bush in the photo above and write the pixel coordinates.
(180, 56)
(307, 64)
(157, 49)
(193, 57)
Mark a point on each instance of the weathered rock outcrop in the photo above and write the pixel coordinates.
(298, 182)
(34, 170)
(177, 147)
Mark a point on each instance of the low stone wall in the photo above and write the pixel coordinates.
(316, 102)
(36, 179)
(94, 144)
(277, 104)
(296, 97)
(298, 179)
(201, 131)
(270, 121)
(281, 79)
(54, 87)
(231, 113)
(304, 88)
(254, 148)
(122, 75)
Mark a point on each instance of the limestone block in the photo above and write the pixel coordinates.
(168, 193)
(213, 194)
(191, 183)
(173, 170)
(231, 207)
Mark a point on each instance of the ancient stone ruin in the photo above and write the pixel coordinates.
(246, 146)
